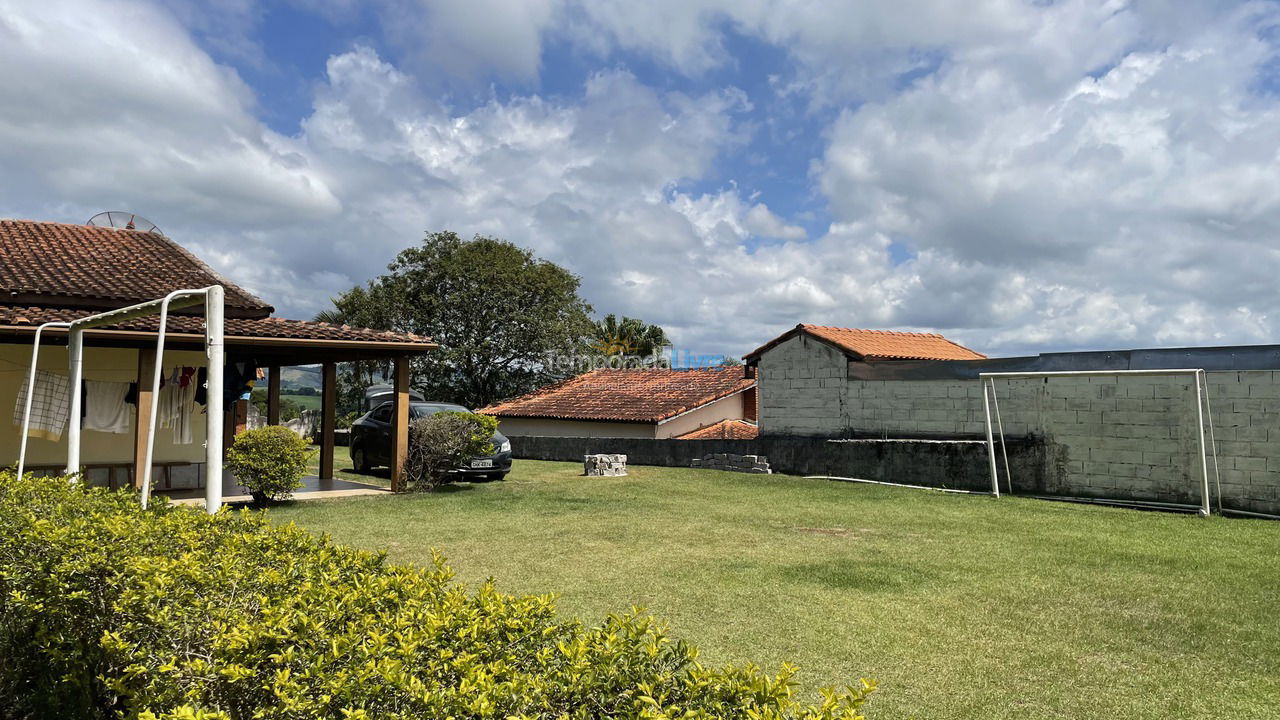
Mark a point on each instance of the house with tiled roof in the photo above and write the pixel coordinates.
(872, 345)
(804, 374)
(632, 403)
(52, 272)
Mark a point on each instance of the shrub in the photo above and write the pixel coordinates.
(441, 443)
(108, 610)
(269, 461)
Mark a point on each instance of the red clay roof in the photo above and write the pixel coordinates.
(57, 272)
(30, 316)
(55, 264)
(878, 344)
(724, 430)
(633, 395)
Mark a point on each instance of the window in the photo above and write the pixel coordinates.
(383, 413)
(424, 410)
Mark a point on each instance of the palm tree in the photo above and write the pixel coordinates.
(628, 336)
(333, 317)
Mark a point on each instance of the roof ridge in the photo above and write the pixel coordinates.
(222, 279)
(907, 333)
(860, 343)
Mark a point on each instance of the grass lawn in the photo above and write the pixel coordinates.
(307, 402)
(961, 606)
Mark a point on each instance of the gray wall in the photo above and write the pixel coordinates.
(958, 465)
(1132, 437)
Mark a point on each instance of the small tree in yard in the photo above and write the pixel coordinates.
(269, 461)
(440, 443)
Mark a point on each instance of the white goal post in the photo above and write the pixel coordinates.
(989, 398)
(213, 299)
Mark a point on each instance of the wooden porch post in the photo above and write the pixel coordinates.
(146, 372)
(328, 401)
(273, 395)
(400, 425)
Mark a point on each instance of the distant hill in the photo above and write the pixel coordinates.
(301, 376)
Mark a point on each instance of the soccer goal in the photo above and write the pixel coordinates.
(212, 298)
(1138, 424)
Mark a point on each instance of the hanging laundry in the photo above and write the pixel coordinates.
(202, 386)
(105, 409)
(238, 379)
(175, 405)
(50, 405)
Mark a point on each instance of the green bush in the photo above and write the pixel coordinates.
(108, 610)
(270, 461)
(441, 443)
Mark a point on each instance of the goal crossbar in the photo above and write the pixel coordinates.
(988, 386)
(213, 299)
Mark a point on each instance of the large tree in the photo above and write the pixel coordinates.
(497, 312)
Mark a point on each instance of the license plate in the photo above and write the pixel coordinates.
(481, 463)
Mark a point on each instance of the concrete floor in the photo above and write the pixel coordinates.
(313, 488)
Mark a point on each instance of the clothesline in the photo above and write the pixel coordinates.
(23, 366)
(106, 404)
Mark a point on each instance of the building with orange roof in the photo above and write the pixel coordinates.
(631, 403)
(804, 373)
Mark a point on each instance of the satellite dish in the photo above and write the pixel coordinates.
(123, 221)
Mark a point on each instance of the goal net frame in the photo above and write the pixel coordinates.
(990, 399)
(213, 299)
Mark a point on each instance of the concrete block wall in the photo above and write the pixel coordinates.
(1246, 422)
(1127, 437)
(802, 388)
(957, 465)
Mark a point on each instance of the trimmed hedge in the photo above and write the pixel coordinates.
(270, 461)
(108, 610)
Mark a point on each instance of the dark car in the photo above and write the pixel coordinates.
(371, 441)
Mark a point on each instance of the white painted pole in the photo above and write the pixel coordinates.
(991, 443)
(215, 351)
(1092, 373)
(75, 362)
(155, 396)
(1204, 462)
(1213, 444)
(31, 389)
(1004, 446)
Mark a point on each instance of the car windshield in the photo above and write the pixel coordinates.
(421, 410)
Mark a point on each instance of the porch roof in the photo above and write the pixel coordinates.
(269, 338)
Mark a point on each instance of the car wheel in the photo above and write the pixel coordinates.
(359, 459)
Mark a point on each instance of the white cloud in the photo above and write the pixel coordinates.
(1135, 207)
(105, 117)
(471, 39)
(1080, 174)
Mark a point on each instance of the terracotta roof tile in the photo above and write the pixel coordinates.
(57, 264)
(633, 395)
(724, 430)
(31, 316)
(879, 344)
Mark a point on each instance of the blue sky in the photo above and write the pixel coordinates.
(1021, 176)
(783, 137)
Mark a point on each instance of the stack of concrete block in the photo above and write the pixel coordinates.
(604, 465)
(758, 464)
